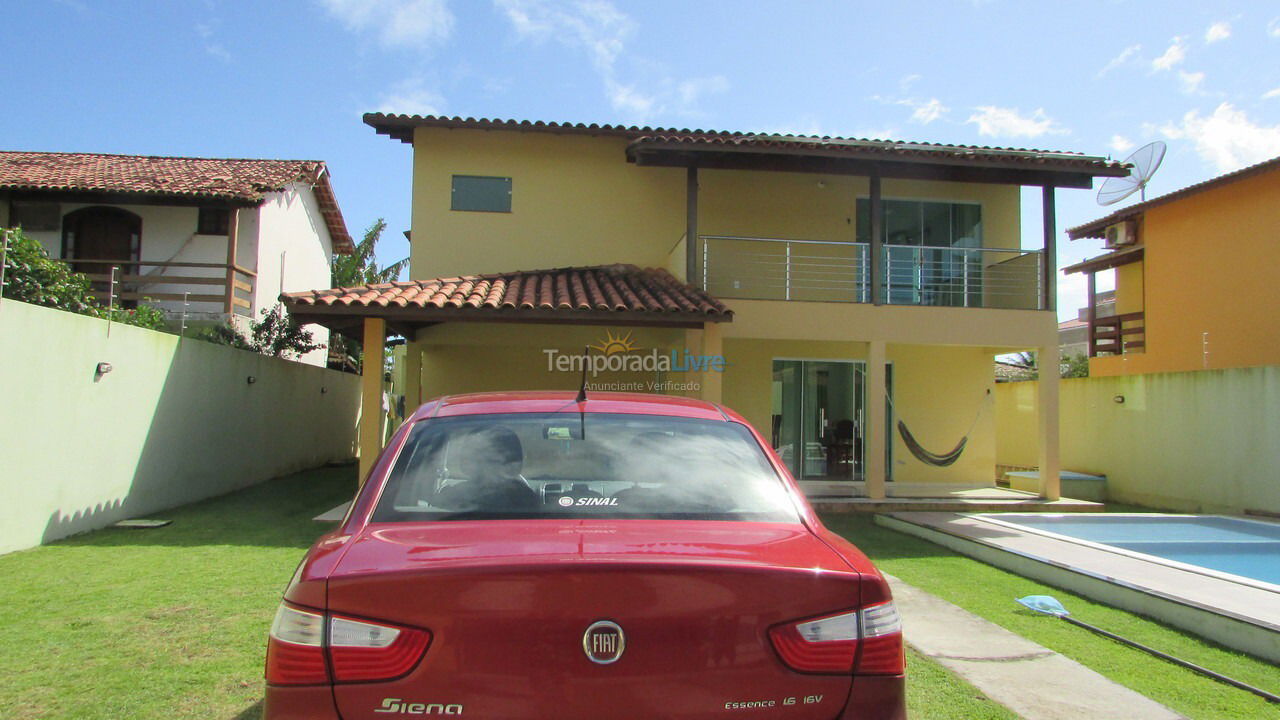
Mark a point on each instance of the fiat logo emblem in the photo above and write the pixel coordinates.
(603, 642)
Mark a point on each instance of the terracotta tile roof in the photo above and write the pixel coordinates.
(243, 181)
(599, 292)
(401, 127)
(1098, 228)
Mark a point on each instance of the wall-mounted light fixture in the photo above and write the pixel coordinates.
(1118, 399)
(323, 390)
(251, 379)
(102, 369)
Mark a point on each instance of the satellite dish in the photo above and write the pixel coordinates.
(1145, 160)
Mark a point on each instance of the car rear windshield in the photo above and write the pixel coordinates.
(592, 465)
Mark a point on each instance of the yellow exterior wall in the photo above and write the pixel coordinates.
(576, 201)
(1211, 266)
(1190, 441)
(937, 390)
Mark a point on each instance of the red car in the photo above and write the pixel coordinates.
(527, 555)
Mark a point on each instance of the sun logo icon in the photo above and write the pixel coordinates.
(613, 344)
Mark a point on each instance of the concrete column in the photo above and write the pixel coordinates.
(712, 344)
(412, 376)
(1050, 460)
(874, 439)
(371, 415)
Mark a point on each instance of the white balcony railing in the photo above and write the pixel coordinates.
(828, 271)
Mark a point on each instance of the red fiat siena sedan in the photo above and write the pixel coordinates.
(526, 555)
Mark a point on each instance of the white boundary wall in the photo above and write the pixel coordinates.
(176, 420)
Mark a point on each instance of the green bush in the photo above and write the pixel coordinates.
(275, 334)
(31, 276)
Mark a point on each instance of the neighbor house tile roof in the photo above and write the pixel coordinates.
(241, 181)
(401, 127)
(601, 292)
(1098, 228)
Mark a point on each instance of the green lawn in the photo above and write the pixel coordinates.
(989, 592)
(164, 623)
(171, 623)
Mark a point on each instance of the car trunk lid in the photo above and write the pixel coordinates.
(508, 604)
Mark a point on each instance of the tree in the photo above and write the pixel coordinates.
(1075, 366)
(361, 268)
(276, 335)
(1071, 366)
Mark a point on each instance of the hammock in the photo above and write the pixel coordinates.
(936, 459)
(927, 457)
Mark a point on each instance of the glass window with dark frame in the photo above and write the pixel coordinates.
(601, 465)
(932, 251)
(213, 221)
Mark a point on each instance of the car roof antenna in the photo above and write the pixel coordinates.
(582, 391)
(586, 359)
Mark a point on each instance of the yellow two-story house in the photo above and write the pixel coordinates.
(1197, 275)
(825, 288)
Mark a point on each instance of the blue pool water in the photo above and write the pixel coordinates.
(1246, 548)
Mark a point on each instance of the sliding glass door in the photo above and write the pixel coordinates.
(818, 418)
(814, 416)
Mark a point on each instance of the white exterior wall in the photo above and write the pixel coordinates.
(293, 253)
(169, 235)
(285, 241)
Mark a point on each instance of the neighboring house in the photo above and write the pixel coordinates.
(797, 280)
(1197, 278)
(225, 236)
(1073, 334)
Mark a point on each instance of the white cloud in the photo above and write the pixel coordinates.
(1176, 53)
(211, 46)
(1124, 57)
(692, 90)
(1271, 94)
(1121, 144)
(398, 23)
(929, 111)
(596, 26)
(1273, 28)
(1220, 30)
(599, 29)
(1227, 139)
(904, 85)
(411, 97)
(1009, 122)
(1191, 81)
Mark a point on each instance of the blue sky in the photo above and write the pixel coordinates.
(291, 79)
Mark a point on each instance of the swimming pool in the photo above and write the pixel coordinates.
(1247, 549)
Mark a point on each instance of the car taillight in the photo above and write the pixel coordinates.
(295, 648)
(882, 651)
(871, 637)
(364, 651)
(300, 653)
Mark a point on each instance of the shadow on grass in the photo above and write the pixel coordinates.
(253, 712)
(276, 513)
(880, 543)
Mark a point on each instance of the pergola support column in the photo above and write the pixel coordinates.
(412, 375)
(875, 435)
(1050, 459)
(712, 380)
(371, 377)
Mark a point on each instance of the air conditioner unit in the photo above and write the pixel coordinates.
(1121, 234)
